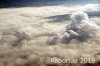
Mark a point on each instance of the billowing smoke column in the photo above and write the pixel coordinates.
(80, 28)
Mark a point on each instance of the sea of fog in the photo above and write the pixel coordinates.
(31, 34)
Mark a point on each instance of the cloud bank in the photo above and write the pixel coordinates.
(81, 28)
(27, 39)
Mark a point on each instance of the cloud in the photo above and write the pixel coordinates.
(27, 39)
(80, 28)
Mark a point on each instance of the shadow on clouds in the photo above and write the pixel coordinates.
(65, 17)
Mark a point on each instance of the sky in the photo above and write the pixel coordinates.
(23, 3)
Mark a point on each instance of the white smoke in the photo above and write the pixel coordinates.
(80, 28)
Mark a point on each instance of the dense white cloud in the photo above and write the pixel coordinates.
(27, 39)
(80, 28)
